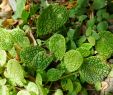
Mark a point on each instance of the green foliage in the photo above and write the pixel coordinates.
(98, 4)
(6, 42)
(19, 8)
(51, 19)
(3, 57)
(57, 45)
(62, 48)
(19, 38)
(41, 60)
(104, 45)
(94, 70)
(15, 73)
(54, 74)
(73, 60)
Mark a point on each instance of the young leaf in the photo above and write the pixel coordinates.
(73, 60)
(57, 45)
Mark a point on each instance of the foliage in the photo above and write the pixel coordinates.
(51, 48)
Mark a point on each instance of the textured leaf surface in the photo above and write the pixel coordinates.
(6, 42)
(94, 70)
(28, 53)
(51, 19)
(54, 74)
(57, 45)
(73, 60)
(15, 72)
(41, 60)
(104, 45)
(19, 38)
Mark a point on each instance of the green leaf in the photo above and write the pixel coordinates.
(3, 57)
(70, 34)
(94, 70)
(51, 19)
(67, 84)
(19, 38)
(25, 15)
(15, 72)
(6, 42)
(98, 4)
(19, 8)
(57, 45)
(98, 86)
(91, 40)
(38, 79)
(89, 31)
(4, 90)
(54, 74)
(104, 45)
(73, 60)
(95, 35)
(102, 26)
(81, 40)
(58, 92)
(32, 87)
(2, 81)
(23, 92)
(28, 53)
(42, 60)
(77, 87)
(91, 22)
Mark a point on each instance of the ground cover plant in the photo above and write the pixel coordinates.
(56, 47)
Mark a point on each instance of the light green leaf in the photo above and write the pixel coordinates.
(57, 45)
(19, 38)
(23, 92)
(91, 40)
(19, 8)
(58, 92)
(67, 84)
(38, 79)
(15, 72)
(3, 81)
(73, 60)
(3, 57)
(4, 90)
(32, 87)
(6, 42)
